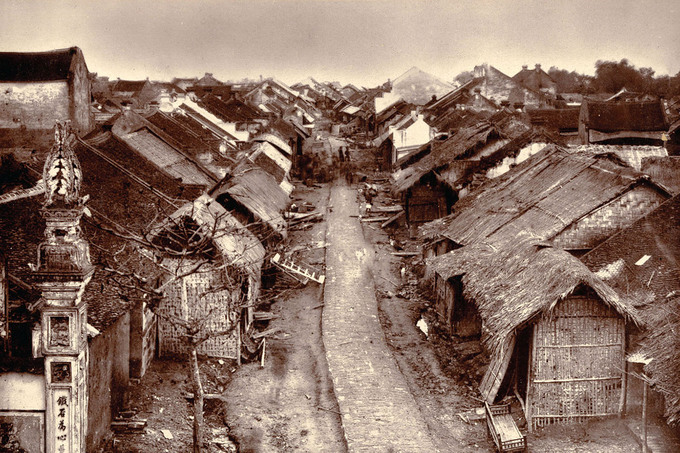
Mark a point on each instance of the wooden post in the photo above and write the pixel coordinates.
(644, 415)
(530, 365)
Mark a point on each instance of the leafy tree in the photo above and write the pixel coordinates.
(611, 77)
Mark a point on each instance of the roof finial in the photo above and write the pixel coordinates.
(62, 173)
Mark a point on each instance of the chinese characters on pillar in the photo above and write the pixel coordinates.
(62, 420)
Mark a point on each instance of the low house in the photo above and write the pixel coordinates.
(622, 123)
(561, 123)
(163, 152)
(425, 197)
(573, 200)
(556, 333)
(233, 111)
(213, 268)
(275, 162)
(37, 89)
(642, 263)
(195, 142)
(408, 137)
(430, 187)
(537, 80)
(136, 94)
(256, 200)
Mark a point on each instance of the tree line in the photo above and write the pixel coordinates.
(612, 76)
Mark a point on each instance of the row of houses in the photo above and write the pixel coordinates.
(148, 222)
(562, 261)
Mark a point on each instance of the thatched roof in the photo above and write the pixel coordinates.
(631, 155)
(443, 153)
(511, 282)
(543, 195)
(664, 170)
(643, 262)
(237, 245)
(258, 192)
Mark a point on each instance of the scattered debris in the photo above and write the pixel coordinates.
(264, 333)
(405, 253)
(392, 219)
(167, 434)
(121, 425)
(374, 219)
(422, 325)
(300, 273)
(328, 410)
(264, 351)
(263, 316)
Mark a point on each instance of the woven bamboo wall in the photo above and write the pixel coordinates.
(202, 302)
(577, 362)
(594, 228)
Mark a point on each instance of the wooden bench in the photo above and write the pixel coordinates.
(503, 429)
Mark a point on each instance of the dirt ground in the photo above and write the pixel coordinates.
(288, 405)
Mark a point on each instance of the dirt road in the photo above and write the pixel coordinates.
(288, 405)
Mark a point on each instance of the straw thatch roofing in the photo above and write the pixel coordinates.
(513, 281)
(632, 155)
(664, 170)
(561, 120)
(443, 153)
(237, 245)
(543, 195)
(643, 262)
(258, 192)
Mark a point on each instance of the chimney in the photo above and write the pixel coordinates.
(524, 67)
(538, 67)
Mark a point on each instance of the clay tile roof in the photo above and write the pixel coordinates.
(36, 66)
(625, 116)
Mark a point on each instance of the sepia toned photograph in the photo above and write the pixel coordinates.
(339, 226)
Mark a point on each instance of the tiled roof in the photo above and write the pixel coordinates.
(625, 116)
(37, 66)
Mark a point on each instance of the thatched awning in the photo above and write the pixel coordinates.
(513, 282)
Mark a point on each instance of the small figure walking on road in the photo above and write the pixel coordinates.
(347, 156)
(340, 154)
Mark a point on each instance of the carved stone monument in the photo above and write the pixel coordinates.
(63, 271)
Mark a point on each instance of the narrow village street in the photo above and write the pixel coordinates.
(282, 227)
(378, 410)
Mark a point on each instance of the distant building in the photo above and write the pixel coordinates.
(37, 89)
(622, 123)
(536, 80)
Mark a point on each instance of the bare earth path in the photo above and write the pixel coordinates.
(277, 408)
(379, 413)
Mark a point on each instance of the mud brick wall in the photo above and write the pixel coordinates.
(33, 105)
(108, 377)
(599, 225)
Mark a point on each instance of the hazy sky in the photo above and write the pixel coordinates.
(363, 42)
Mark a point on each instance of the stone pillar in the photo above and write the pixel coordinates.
(63, 271)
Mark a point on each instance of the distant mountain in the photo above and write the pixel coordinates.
(418, 87)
